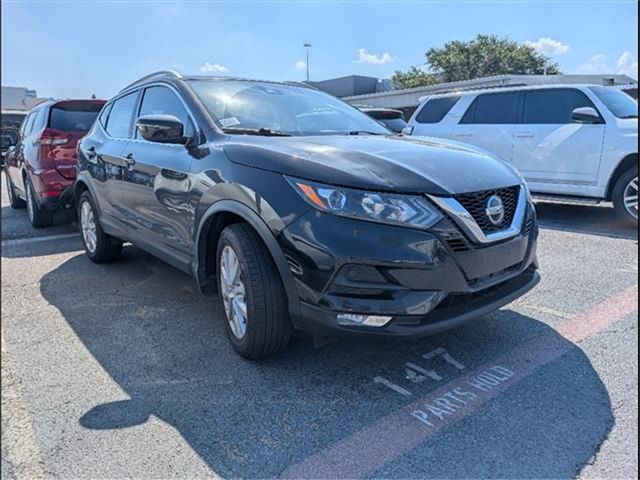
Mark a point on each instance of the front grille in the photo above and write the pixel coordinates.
(457, 244)
(476, 204)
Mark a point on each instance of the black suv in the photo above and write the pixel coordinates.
(301, 211)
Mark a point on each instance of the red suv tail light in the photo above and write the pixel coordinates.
(57, 149)
(49, 136)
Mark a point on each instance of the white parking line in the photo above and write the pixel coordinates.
(20, 241)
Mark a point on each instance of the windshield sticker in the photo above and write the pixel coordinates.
(229, 121)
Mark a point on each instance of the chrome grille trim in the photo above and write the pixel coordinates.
(469, 226)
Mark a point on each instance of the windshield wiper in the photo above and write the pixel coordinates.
(266, 132)
(630, 116)
(363, 132)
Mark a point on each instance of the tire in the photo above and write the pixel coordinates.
(38, 216)
(14, 200)
(267, 325)
(624, 187)
(99, 246)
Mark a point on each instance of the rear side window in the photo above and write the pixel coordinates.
(436, 109)
(25, 129)
(104, 115)
(119, 121)
(73, 117)
(494, 108)
(162, 101)
(553, 106)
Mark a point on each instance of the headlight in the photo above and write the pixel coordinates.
(406, 210)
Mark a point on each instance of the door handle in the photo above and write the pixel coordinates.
(524, 134)
(130, 160)
(463, 134)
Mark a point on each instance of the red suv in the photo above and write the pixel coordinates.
(41, 169)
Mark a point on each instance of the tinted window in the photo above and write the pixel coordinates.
(76, 117)
(619, 103)
(104, 115)
(553, 106)
(119, 121)
(494, 108)
(435, 109)
(162, 101)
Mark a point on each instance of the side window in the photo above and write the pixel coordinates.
(162, 101)
(40, 119)
(436, 109)
(553, 106)
(27, 125)
(104, 115)
(119, 120)
(492, 108)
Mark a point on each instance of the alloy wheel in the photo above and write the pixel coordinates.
(233, 292)
(88, 225)
(630, 197)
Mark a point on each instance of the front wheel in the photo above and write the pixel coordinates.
(253, 296)
(625, 196)
(99, 246)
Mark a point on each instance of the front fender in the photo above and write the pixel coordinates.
(84, 179)
(265, 233)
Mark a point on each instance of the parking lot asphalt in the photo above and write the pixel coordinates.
(123, 370)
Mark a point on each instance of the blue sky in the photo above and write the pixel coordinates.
(74, 49)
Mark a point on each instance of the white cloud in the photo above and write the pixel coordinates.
(548, 46)
(628, 65)
(598, 63)
(372, 58)
(213, 68)
(301, 65)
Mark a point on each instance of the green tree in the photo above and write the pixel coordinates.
(414, 77)
(484, 56)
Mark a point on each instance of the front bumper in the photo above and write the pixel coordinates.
(427, 281)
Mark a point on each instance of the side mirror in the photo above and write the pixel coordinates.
(161, 129)
(585, 115)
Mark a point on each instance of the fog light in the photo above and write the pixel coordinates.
(366, 320)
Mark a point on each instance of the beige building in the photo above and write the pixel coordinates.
(19, 98)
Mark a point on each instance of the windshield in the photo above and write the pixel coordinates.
(288, 109)
(620, 104)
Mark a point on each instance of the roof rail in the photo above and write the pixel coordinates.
(160, 73)
(300, 84)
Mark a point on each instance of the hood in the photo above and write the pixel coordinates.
(384, 163)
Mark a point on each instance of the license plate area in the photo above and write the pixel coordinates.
(482, 262)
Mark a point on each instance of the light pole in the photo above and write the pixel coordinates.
(307, 46)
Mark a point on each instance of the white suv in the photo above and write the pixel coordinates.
(571, 142)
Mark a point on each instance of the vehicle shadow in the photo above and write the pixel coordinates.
(594, 220)
(164, 344)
